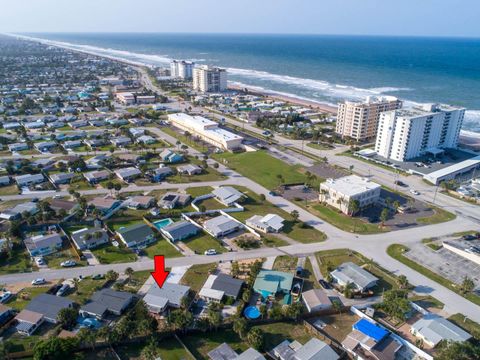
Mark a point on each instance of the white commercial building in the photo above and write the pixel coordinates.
(359, 120)
(209, 79)
(207, 130)
(340, 193)
(181, 69)
(406, 134)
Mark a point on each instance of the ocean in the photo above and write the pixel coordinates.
(326, 69)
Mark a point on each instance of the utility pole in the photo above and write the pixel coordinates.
(435, 194)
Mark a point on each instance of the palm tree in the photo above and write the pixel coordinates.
(129, 272)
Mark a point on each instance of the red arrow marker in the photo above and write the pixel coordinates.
(159, 274)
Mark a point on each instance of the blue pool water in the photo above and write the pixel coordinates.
(162, 223)
(251, 312)
(90, 323)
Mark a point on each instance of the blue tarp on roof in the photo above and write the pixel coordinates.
(374, 331)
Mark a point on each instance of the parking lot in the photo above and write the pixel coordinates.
(326, 171)
(446, 263)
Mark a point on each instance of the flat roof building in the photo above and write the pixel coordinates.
(209, 79)
(266, 224)
(340, 192)
(433, 328)
(207, 130)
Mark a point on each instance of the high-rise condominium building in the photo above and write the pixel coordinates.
(181, 69)
(408, 133)
(359, 120)
(209, 79)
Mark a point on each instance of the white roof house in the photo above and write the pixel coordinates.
(220, 226)
(28, 179)
(352, 273)
(314, 349)
(169, 295)
(227, 195)
(433, 329)
(267, 223)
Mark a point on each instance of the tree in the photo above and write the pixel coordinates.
(262, 197)
(384, 216)
(294, 310)
(67, 317)
(111, 275)
(55, 348)
(214, 316)
(150, 351)
(117, 187)
(295, 215)
(180, 319)
(348, 290)
(402, 282)
(467, 285)
(129, 272)
(353, 207)
(395, 303)
(240, 327)
(255, 338)
(88, 337)
(458, 351)
(280, 179)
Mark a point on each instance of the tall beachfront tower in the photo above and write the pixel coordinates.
(181, 69)
(408, 133)
(209, 79)
(359, 120)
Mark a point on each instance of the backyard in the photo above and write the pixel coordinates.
(196, 275)
(109, 254)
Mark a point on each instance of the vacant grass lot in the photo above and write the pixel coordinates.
(196, 275)
(23, 297)
(168, 349)
(202, 242)
(67, 253)
(396, 251)
(9, 190)
(109, 254)
(86, 287)
(439, 217)
(161, 247)
(262, 168)
(18, 262)
(295, 230)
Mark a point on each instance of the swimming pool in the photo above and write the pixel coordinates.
(162, 223)
(251, 312)
(88, 322)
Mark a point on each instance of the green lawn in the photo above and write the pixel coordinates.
(201, 190)
(196, 275)
(9, 190)
(273, 241)
(262, 168)
(68, 253)
(396, 251)
(295, 230)
(18, 262)
(470, 326)
(109, 254)
(24, 296)
(162, 247)
(182, 138)
(168, 349)
(285, 263)
(86, 287)
(115, 224)
(208, 174)
(342, 221)
(202, 242)
(439, 217)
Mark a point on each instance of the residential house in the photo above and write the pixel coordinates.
(95, 143)
(170, 156)
(221, 225)
(225, 352)
(72, 144)
(136, 236)
(189, 169)
(128, 174)
(170, 200)
(160, 173)
(269, 283)
(16, 211)
(61, 178)
(29, 179)
(179, 230)
(227, 195)
(45, 146)
(141, 202)
(121, 141)
(316, 300)
(146, 139)
(369, 340)
(313, 349)
(59, 204)
(49, 306)
(107, 300)
(89, 238)
(352, 273)
(104, 204)
(433, 329)
(28, 322)
(18, 147)
(219, 286)
(94, 177)
(266, 224)
(78, 124)
(43, 244)
(136, 132)
(168, 296)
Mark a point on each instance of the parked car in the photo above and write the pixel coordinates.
(469, 237)
(324, 284)
(68, 263)
(63, 289)
(97, 277)
(414, 192)
(39, 281)
(400, 183)
(210, 252)
(5, 296)
(39, 261)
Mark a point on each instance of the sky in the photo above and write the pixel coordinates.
(353, 17)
